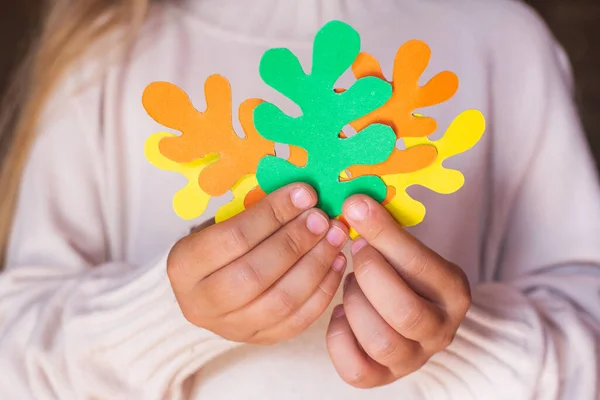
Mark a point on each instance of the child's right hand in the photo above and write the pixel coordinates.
(264, 275)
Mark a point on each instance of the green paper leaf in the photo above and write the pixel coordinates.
(324, 115)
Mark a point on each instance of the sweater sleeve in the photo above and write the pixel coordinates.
(533, 331)
(75, 324)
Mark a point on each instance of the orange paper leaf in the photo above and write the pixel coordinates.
(411, 61)
(400, 162)
(298, 156)
(391, 193)
(253, 197)
(208, 132)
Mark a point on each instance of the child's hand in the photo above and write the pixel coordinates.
(403, 303)
(264, 275)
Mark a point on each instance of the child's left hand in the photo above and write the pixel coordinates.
(402, 304)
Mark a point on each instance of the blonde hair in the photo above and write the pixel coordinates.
(68, 30)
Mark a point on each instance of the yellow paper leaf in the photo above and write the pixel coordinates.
(190, 202)
(464, 132)
(236, 206)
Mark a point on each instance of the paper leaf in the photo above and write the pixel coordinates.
(208, 132)
(236, 206)
(246, 192)
(253, 197)
(400, 162)
(464, 132)
(411, 61)
(191, 201)
(324, 114)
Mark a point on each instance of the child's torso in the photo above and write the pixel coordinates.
(139, 197)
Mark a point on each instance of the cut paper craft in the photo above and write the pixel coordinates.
(400, 162)
(214, 159)
(463, 133)
(324, 114)
(298, 156)
(190, 202)
(410, 63)
(236, 206)
(253, 197)
(208, 132)
(246, 192)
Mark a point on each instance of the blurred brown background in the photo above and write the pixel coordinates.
(574, 22)
(18, 20)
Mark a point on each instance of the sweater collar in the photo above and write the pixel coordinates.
(282, 19)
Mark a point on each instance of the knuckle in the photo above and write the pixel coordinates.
(282, 304)
(414, 359)
(277, 211)
(376, 232)
(299, 322)
(382, 347)
(446, 340)
(319, 264)
(411, 365)
(247, 278)
(237, 239)
(334, 333)
(293, 243)
(328, 291)
(411, 320)
(416, 264)
(204, 308)
(352, 299)
(365, 262)
(190, 316)
(356, 378)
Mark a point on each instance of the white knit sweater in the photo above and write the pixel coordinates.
(86, 310)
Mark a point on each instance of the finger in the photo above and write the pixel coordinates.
(425, 271)
(407, 313)
(310, 311)
(352, 364)
(382, 343)
(294, 288)
(242, 281)
(200, 254)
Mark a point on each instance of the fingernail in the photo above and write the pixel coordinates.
(336, 236)
(338, 311)
(357, 245)
(338, 264)
(316, 223)
(357, 211)
(301, 198)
